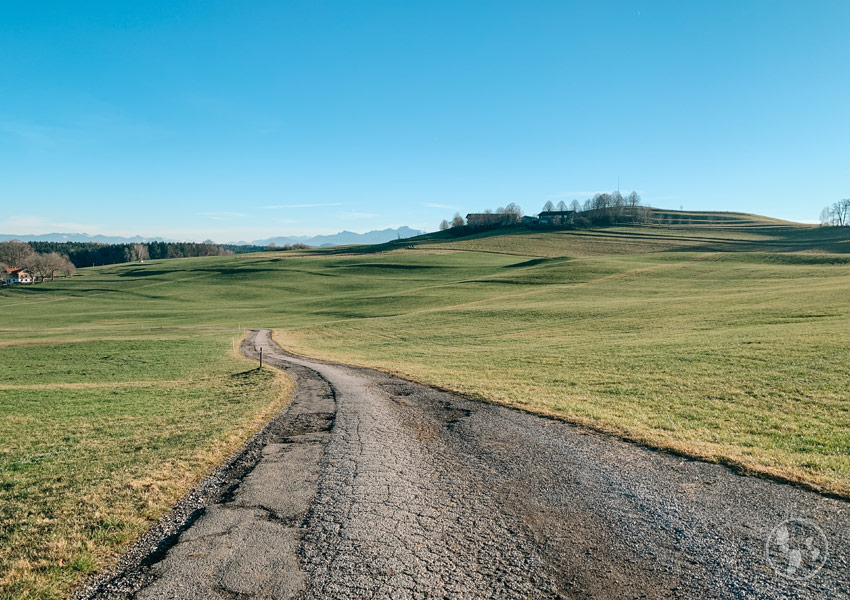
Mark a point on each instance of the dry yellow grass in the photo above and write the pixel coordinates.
(90, 465)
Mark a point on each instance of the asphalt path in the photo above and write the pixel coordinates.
(370, 486)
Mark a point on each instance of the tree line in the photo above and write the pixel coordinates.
(287, 247)
(836, 214)
(601, 209)
(41, 265)
(606, 208)
(93, 254)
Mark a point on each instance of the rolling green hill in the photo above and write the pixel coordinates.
(725, 340)
(666, 231)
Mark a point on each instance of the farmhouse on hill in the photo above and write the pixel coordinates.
(13, 275)
(556, 217)
(484, 219)
(487, 220)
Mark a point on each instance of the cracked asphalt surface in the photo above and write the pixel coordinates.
(370, 486)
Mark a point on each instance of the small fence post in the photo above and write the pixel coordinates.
(261, 357)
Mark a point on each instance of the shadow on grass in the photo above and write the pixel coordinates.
(245, 375)
(536, 261)
(774, 238)
(223, 270)
(385, 266)
(833, 240)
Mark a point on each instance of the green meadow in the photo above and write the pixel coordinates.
(100, 432)
(723, 337)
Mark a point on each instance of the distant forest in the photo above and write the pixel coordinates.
(91, 254)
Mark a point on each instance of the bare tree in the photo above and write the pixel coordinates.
(37, 265)
(837, 214)
(633, 199)
(562, 206)
(15, 253)
(140, 252)
(457, 221)
(548, 207)
(67, 268)
(618, 206)
(842, 212)
(48, 265)
(575, 206)
(444, 225)
(602, 202)
(513, 213)
(52, 263)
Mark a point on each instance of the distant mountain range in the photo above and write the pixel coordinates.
(337, 239)
(342, 238)
(80, 237)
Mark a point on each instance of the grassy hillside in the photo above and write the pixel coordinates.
(668, 231)
(713, 341)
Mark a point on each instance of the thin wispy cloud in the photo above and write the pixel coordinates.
(316, 205)
(438, 205)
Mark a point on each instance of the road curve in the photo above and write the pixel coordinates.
(369, 486)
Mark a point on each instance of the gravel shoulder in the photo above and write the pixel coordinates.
(368, 485)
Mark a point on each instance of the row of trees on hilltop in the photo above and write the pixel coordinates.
(457, 221)
(602, 209)
(562, 206)
(42, 265)
(837, 214)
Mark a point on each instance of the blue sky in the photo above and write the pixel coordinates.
(242, 120)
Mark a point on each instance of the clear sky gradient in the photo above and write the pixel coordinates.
(242, 120)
